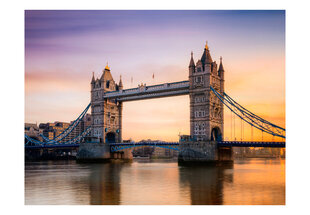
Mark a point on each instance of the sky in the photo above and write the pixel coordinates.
(63, 48)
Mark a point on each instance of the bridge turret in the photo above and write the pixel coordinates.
(206, 56)
(102, 78)
(191, 65)
(221, 72)
(93, 81)
(120, 85)
(107, 81)
(221, 68)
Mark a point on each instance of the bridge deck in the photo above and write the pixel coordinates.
(54, 146)
(221, 144)
(252, 144)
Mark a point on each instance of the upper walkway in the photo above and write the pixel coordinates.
(149, 92)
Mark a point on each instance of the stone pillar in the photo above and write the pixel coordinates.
(191, 109)
(120, 110)
(89, 152)
(203, 152)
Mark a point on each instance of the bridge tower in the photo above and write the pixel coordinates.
(206, 113)
(206, 110)
(106, 122)
(106, 113)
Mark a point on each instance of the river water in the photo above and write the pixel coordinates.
(157, 182)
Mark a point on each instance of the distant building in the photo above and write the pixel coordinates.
(33, 131)
(143, 151)
(164, 153)
(258, 152)
(52, 130)
(154, 152)
(82, 126)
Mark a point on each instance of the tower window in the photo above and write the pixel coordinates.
(108, 84)
(198, 79)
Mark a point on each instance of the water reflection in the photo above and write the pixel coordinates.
(205, 183)
(56, 183)
(257, 182)
(155, 183)
(104, 184)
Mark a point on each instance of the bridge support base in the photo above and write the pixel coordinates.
(124, 155)
(203, 152)
(49, 154)
(100, 152)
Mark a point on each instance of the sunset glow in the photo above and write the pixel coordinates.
(63, 48)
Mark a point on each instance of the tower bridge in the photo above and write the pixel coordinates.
(206, 110)
(205, 88)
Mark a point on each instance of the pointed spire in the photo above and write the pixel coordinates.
(191, 63)
(206, 46)
(107, 67)
(221, 68)
(93, 78)
(120, 85)
(206, 57)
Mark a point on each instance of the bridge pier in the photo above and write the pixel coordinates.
(124, 155)
(203, 152)
(100, 152)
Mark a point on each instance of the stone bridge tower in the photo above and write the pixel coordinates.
(206, 110)
(106, 113)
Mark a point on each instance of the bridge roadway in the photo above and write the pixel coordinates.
(149, 92)
(53, 146)
(169, 145)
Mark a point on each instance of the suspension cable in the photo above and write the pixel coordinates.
(231, 134)
(234, 128)
(251, 133)
(249, 117)
(243, 125)
(241, 129)
(55, 140)
(69, 129)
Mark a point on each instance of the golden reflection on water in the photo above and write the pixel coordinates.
(153, 184)
(254, 181)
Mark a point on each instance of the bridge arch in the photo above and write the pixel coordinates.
(216, 134)
(110, 137)
(167, 145)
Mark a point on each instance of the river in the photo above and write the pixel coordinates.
(155, 182)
